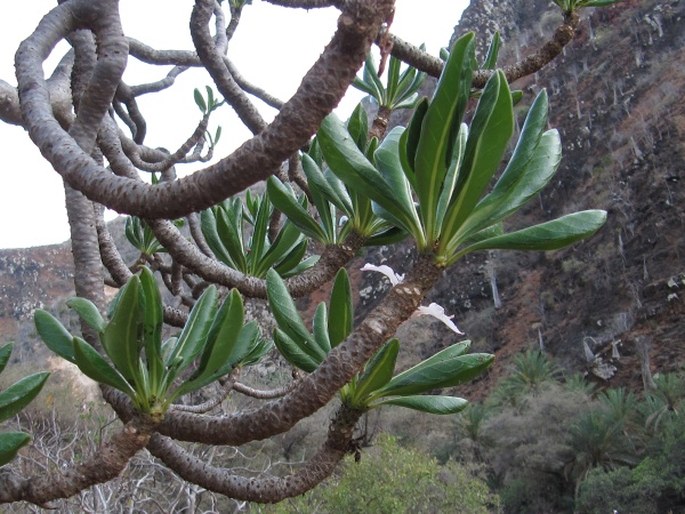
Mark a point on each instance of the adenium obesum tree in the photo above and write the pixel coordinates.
(446, 181)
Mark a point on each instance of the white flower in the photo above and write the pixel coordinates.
(438, 312)
(395, 278)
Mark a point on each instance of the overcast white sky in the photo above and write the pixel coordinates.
(270, 42)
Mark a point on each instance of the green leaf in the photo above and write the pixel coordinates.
(452, 175)
(294, 353)
(440, 126)
(446, 368)
(121, 336)
(153, 321)
(223, 335)
(387, 159)
(192, 339)
(490, 62)
(358, 126)
(432, 404)
(10, 444)
(284, 199)
(320, 328)
(409, 142)
(492, 127)
(259, 239)
(19, 395)
(377, 372)
(5, 352)
(199, 100)
(371, 78)
(328, 184)
(292, 264)
(208, 224)
(355, 170)
(229, 220)
(393, 80)
(251, 347)
(287, 240)
(53, 334)
(502, 202)
(93, 365)
(288, 319)
(341, 318)
(547, 236)
(224, 346)
(88, 312)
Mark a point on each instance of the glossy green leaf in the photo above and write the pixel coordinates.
(283, 197)
(358, 126)
(446, 368)
(294, 353)
(229, 226)
(377, 372)
(19, 395)
(294, 262)
(393, 80)
(387, 159)
(440, 127)
(369, 89)
(452, 175)
(490, 62)
(153, 321)
(409, 142)
(10, 444)
(94, 366)
(320, 328)
(288, 238)
(199, 100)
(431, 404)
(208, 224)
(288, 318)
(53, 334)
(327, 184)
(5, 352)
(223, 335)
(490, 131)
(251, 347)
(259, 239)
(341, 318)
(120, 338)
(88, 312)
(547, 236)
(502, 202)
(224, 346)
(355, 170)
(370, 76)
(193, 337)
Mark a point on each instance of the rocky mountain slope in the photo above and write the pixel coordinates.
(616, 97)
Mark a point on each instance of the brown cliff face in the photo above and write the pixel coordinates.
(616, 96)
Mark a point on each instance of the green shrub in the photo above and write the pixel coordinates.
(391, 479)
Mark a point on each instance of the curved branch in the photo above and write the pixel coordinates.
(533, 63)
(184, 252)
(214, 64)
(320, 91)
(307, 4)
(105, 464)
(268, 489)
(262, 394)
(316, 389)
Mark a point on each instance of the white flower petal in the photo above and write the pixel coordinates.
(438, 312)
(395, 278)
